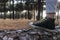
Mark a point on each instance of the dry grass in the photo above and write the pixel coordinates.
(14, 24)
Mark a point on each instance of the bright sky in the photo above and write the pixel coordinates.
(59, 0)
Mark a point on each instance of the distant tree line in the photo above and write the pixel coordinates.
(19, 7)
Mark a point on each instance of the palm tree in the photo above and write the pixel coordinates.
(40, 9)
(13, 8)
(4, 4)
(10, 8)
(4, 11)
(18, 7)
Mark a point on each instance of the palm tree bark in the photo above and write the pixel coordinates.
(13, 9)
(4, 10)
(39, 9)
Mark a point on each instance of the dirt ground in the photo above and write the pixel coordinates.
(14, 24)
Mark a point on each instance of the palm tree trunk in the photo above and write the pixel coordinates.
(13, 9)
(39, 9)
(4, 10)
(10, 10)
